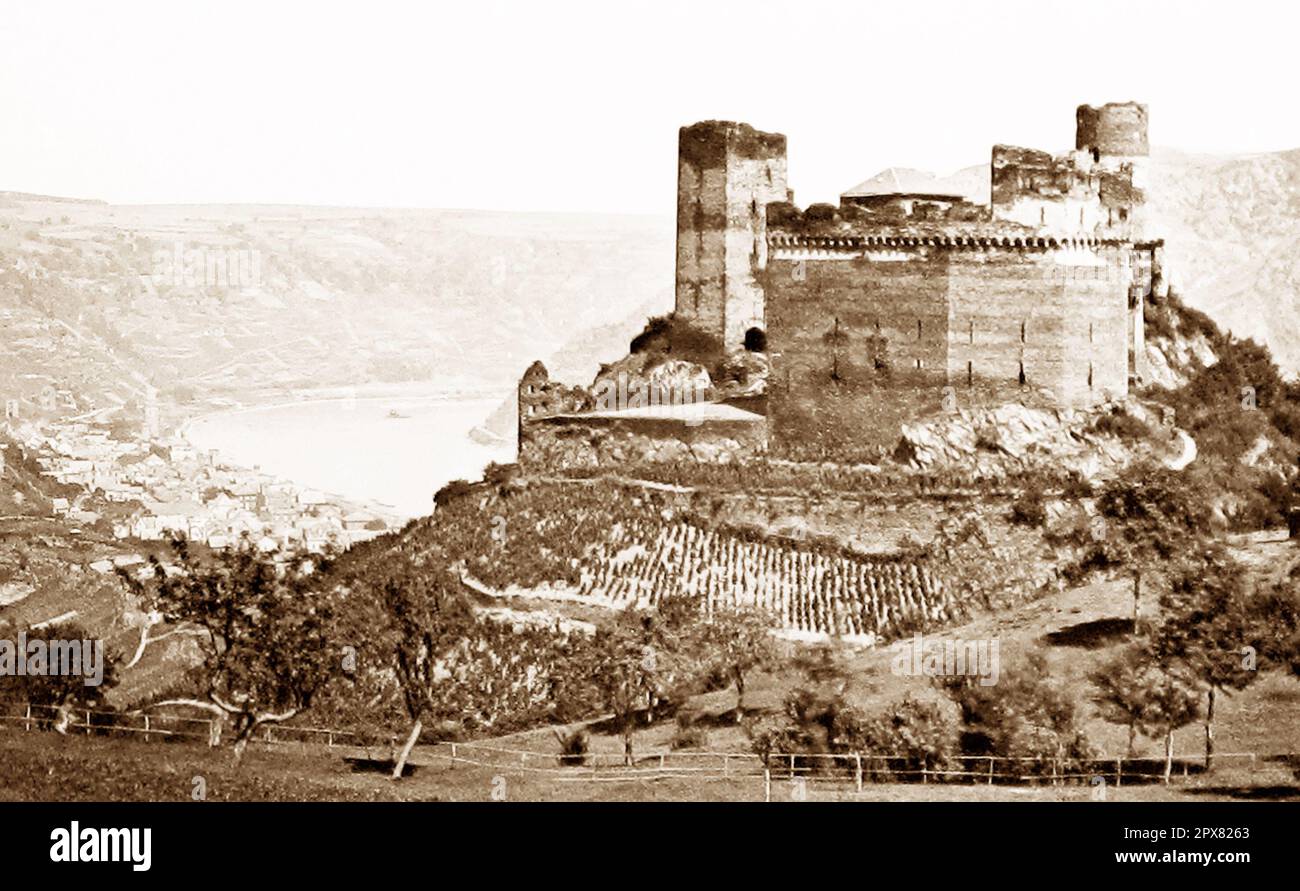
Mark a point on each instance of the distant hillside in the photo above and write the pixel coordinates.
(301, 298)
(1232, 227)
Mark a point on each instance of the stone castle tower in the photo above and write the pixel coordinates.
(727, 174)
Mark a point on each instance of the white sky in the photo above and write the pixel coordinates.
(575, 106)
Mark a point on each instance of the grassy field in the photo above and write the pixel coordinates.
(47, 767)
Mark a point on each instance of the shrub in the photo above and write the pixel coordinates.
(453, 491)
(1029, 508)
(573, 747)
(688, 734)
(1120, 424)
(667, 334)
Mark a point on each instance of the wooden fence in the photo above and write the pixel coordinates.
(835, 768)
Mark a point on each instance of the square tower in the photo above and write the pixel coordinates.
(727, 174)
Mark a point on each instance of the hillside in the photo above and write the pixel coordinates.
(1232, 227)
(217, 303)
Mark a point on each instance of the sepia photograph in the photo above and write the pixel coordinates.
(413, 410)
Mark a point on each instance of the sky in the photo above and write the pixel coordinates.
(575, 106)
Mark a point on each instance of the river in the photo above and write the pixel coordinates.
(396, 451)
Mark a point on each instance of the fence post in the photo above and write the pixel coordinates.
(661, 761)
(28, 718)
(857, 770)
(88, 727)
(767, 783)
(329, 740)
(991, 763)
(1119, 772)
(452, 766)
(725, 768)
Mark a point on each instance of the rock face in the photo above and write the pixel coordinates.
(993, 441)
(651, 380)
(1169, 360)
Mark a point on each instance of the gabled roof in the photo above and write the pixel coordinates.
(969, 183)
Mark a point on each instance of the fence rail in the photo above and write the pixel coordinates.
(147, 725)
(859, 769)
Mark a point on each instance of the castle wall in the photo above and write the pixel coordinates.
(1059, 317)
(998, 322)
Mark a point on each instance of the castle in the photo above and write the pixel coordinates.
(910, 297)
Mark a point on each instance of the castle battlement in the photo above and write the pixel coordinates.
(975, 239)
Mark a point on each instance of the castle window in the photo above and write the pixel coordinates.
(1090, 341)
(1089, 375)
(918, 364)
(1022, 332)
(1123, 214)
(918, 329)
(970, 334)
(1022, 374)
(970, 374)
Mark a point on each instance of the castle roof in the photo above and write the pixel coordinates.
(905, 181)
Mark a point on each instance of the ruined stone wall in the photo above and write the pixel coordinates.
(727, 174)
(1099, 186)
(565, 443)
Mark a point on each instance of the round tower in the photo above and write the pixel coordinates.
(1116, 129)
(1113, 139)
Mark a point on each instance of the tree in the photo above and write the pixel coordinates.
(620, 670)
(1209, 628)
(424, 616)
(1147, 519)
(737, 641)
(916, 732)
(141, 611)
(1150, 693)
(61, 684)
(1171, 703)
(1027, 715)
(265, 622)
(1120, 693)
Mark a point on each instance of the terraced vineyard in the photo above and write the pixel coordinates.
(600, 547)
(805, 590)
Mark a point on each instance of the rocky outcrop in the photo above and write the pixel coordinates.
(1014, 437)
(642, 379)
